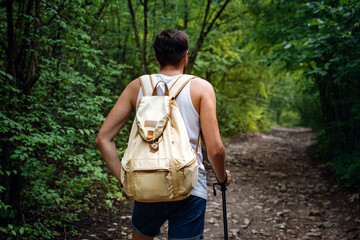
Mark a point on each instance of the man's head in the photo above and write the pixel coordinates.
(170, 46)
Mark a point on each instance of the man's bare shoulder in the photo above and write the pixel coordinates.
(134, 84)
(201, 85)
(133, 87)
(200, 89)
(132, 90)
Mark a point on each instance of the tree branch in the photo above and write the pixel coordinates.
(21, 55)
(137, 38)
(145, 35)
(125, 44)
(101, 9)
(233, 18)
(165, 11)
(199, 42)
(34, 69)
(133, 21)
(216, 17)
(20, 15)
(203, 34)
(205, 18)
(62, 6)
(10, 37)
(186, 15)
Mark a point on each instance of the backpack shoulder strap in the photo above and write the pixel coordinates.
(146, 85)
(176, 88)
(179, 84)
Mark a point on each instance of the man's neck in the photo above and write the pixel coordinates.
(171, 70)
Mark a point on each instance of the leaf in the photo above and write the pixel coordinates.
(348, 14)
(288, 45)
(320, 21)
(91, 65)
(322, 72)
(6, 74)
(314, 22)
(310, 5)
(326, 66)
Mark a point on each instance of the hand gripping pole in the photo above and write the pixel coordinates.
(223, 189)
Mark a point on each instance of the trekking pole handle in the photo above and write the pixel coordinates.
(222, 185)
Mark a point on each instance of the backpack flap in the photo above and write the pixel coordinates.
(152, 117)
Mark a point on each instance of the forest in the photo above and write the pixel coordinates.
(64, 64)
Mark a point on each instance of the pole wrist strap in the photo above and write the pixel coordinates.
(225, 181)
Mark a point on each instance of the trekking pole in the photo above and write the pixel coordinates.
(223, 189)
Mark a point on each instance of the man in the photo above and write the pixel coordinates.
(197, 106)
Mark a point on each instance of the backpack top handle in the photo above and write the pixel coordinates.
(154, 93)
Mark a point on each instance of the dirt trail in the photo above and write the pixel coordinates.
(279, 191)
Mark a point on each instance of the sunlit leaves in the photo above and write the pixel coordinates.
(321, 38)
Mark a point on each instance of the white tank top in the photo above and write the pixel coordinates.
(192, 122)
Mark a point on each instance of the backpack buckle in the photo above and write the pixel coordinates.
(154, 147)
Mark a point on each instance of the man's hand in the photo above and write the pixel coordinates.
(228, 178)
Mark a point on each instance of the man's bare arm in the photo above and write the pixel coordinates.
(113, 124)
(209, 125)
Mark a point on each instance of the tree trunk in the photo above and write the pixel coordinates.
(140, 48)
(33, 72)
(10, 49)
(145, 64)
(22, 63)
(186, 14)
(203, 34)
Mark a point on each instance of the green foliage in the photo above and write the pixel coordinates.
(348, 168)
(270, 62)
(320, 38)
(48, 132)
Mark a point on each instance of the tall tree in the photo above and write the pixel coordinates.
(206, 27)
(22, 58)
(141, 47)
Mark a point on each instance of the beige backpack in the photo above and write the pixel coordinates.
(159, 163)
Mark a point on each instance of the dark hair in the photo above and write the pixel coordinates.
(170, 46)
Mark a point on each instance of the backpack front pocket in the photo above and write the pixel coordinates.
(155, 185)
(152, 180)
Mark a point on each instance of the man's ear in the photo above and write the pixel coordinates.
(156, 57)
(186, 56)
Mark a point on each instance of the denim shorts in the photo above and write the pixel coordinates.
(185, 217)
